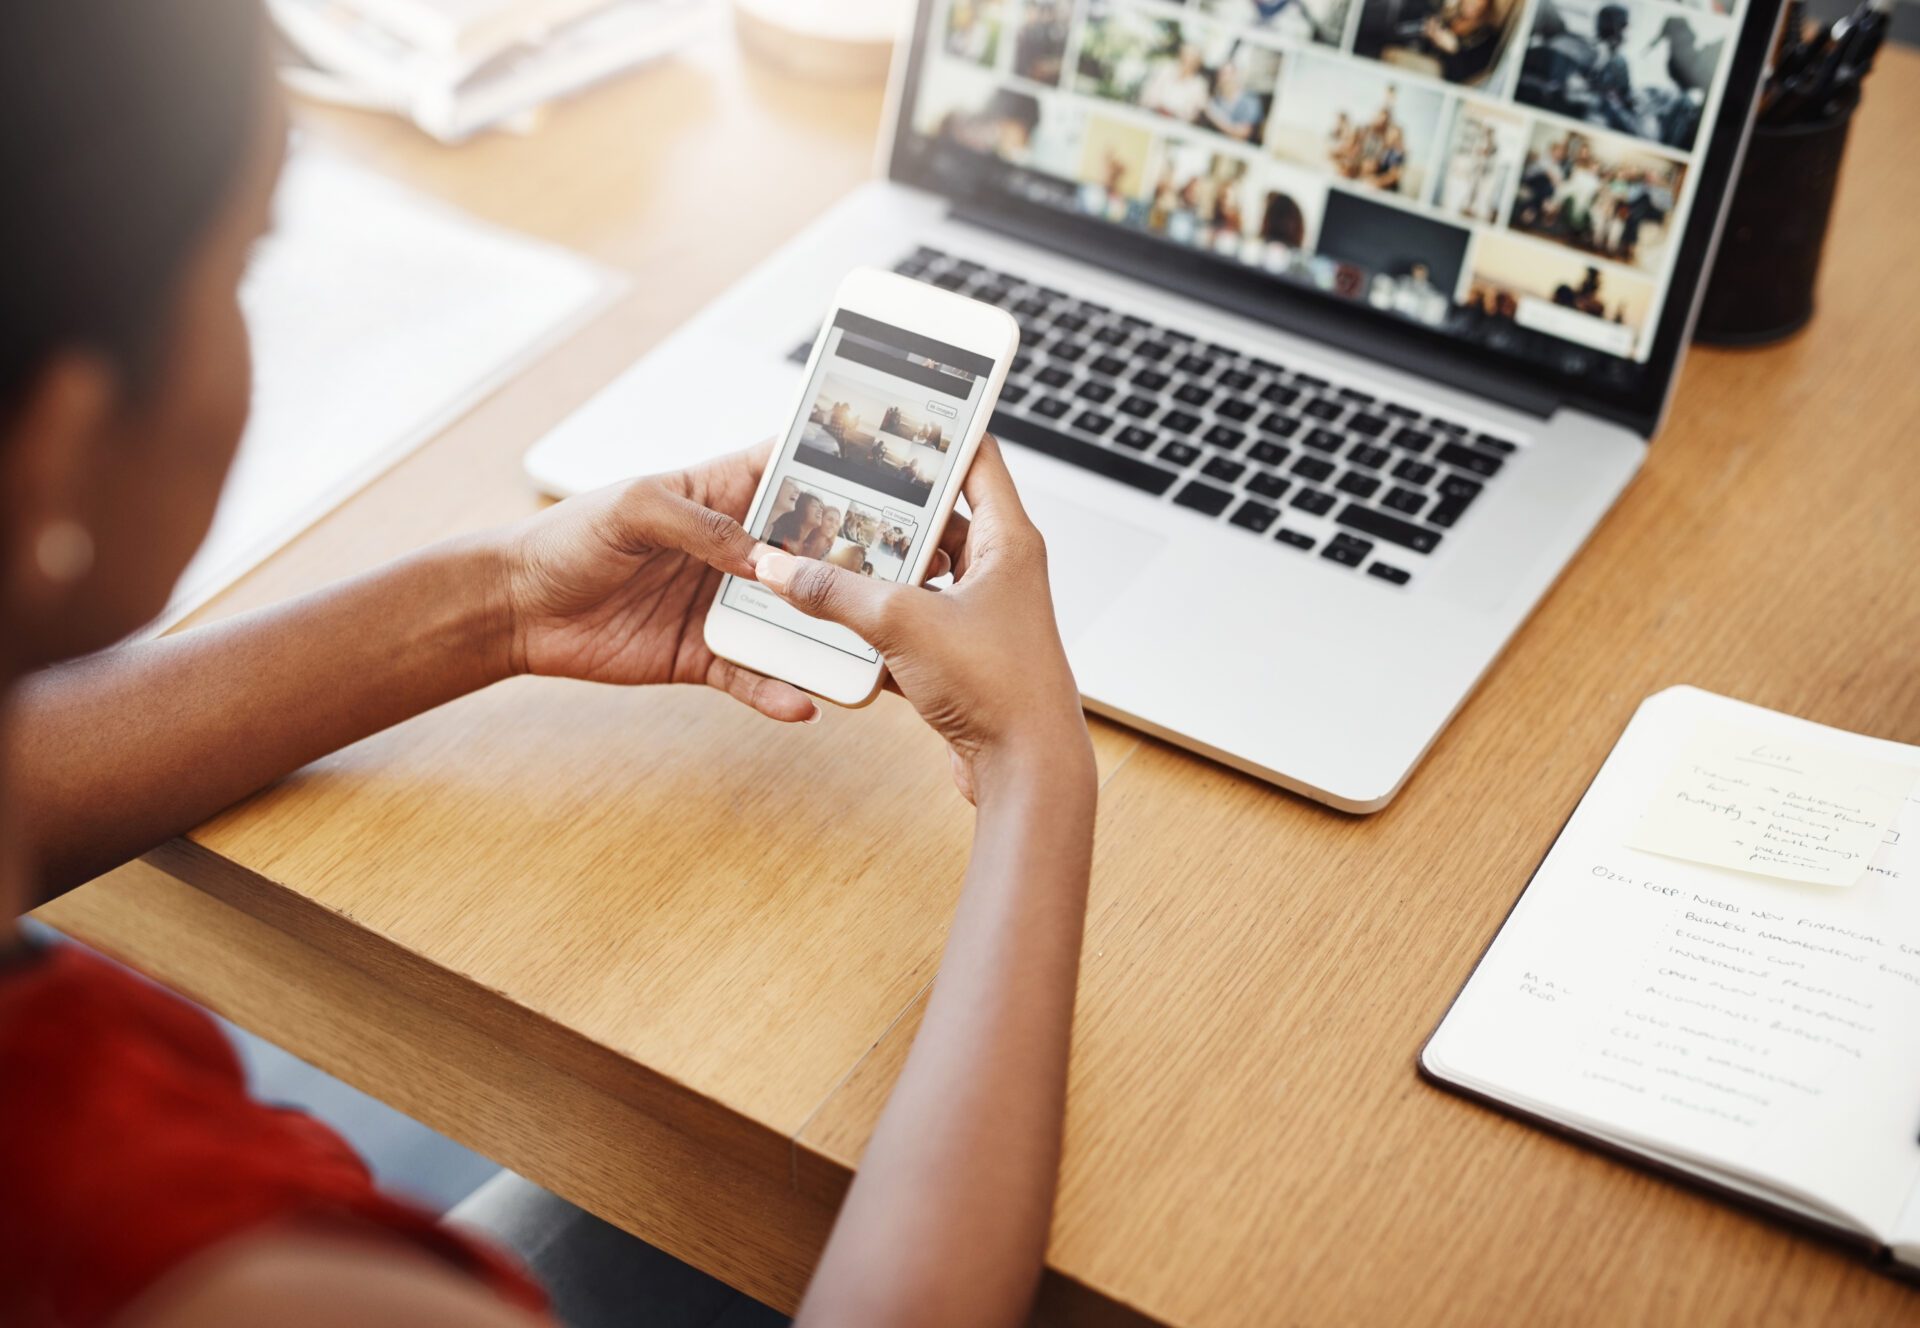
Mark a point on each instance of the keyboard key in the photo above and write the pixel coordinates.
(1223, 469)
(1221, 436)
(1448, 426)
(1203, 498)
(1233, 408)
(1088, 309)
(1356, 396)
(1267, 454)
(1223, 352)
(1308, 380)
(1267, 484)
(1096, 391)
(1070, 323)
(1110, 365)
(1054, 376)
(1134, 321)
(1387, 572)
(1152, 350)
(1264, 366)
(1151, 380)
(1180, 421)
(1366, 454)
(1293, 538)
(1457, 493)
(1135, 437)
(1179, 453)
(1313, 501)
(1051, 408)
(1322, 409)
(1413, 440)
(1389, 528)
(1014, 393)
(1280, 394)
(1284, 425)
(1236, 380)
(1139, 407)
(950, 280)
(1254, 516)
(1029, 308)
(1324, 440)
(1092, 421)
(1075, 451)
(1468, 459)
(1360, 486)
(1193, 394)
(1067, 350)
(1346, 550)
(1414, 472)
(1174, 334)
(1313, 468)
(1198, 365)
(1399, 411)
(1367, 426)
(1493, 444)
(1409, 501)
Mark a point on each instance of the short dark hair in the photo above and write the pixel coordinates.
(126, 125)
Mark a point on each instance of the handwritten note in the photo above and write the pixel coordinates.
(1756, 802)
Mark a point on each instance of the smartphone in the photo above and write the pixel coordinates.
(899, 388)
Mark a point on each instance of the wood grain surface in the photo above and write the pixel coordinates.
(666, 958)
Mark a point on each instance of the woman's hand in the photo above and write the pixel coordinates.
(982, 662)
(614, 585)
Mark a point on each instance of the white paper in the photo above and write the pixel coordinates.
(1757, 800)
(1762, 1027)
(377, 318)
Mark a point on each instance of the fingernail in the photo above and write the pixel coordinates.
(774, 568)
(814, 718)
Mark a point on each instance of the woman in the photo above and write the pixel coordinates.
(137, 1185)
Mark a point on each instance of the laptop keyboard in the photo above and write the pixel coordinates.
(1317, 467)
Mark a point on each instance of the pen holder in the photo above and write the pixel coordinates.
(1761, 289)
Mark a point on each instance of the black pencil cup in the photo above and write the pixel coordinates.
(1761, 289)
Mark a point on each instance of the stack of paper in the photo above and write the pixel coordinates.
(457, 66)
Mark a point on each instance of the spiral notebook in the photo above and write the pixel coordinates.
(1716, 970)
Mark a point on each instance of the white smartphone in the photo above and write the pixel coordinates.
(898, 392)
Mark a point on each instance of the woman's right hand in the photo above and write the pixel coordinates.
(982, 661)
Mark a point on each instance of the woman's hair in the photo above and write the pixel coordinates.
(127, 123)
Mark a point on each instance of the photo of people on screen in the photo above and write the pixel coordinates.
(895, 448)
(1482, 160)
(1457, 41)
(1623, 65)
(1322, 21)
(1597, 194)
(1550, 290)
(1358, 124)
(1197, 194)
(804, 519)
(883, 539)
(1182, 70)
(1412, 262)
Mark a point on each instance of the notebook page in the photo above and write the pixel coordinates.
(1764, 1027)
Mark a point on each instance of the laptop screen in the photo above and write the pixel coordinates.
(1514, 174)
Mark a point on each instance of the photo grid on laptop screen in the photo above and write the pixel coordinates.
(1517, 172)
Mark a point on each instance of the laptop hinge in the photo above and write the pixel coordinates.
(1363, 337)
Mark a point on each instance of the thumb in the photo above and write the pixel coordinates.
(821, 590)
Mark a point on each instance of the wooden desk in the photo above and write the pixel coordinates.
(666, 958)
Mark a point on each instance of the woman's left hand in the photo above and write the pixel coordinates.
(614, 585)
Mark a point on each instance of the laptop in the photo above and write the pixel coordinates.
(1344, 324)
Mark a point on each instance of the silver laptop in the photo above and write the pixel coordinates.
(1344, 323)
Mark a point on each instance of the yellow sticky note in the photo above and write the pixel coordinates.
(1774, 806)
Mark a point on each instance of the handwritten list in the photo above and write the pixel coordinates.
(1758, 802)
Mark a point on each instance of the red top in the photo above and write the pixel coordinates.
(128, 1144)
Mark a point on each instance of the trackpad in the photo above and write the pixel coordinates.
(1091, 557)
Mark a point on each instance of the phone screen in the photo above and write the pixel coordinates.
(856, 478)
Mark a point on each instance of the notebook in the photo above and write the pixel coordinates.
(1716, 969)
